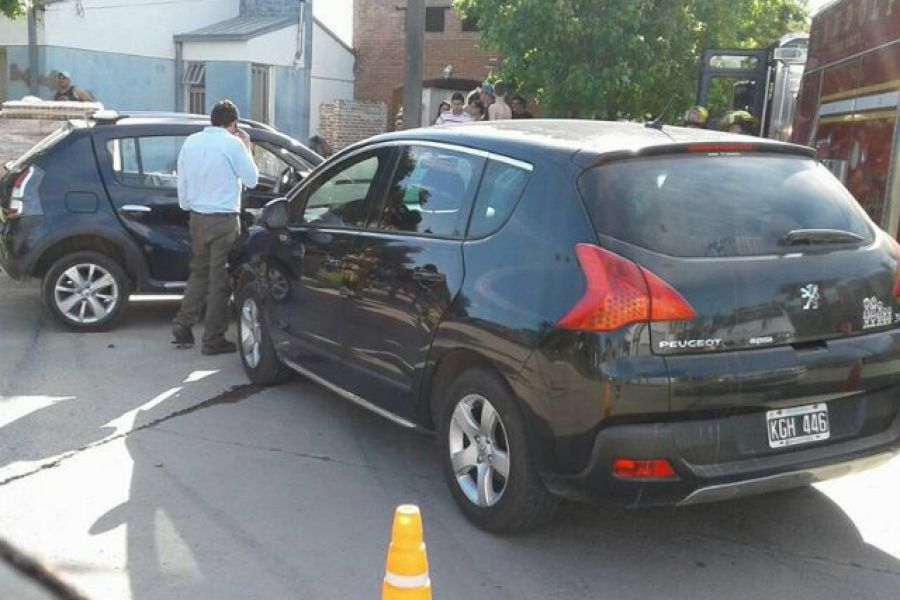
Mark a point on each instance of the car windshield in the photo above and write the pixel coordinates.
(287, 156)
(701, 205)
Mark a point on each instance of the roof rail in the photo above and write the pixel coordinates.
(112, 116)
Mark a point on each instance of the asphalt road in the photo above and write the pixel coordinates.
(136, 471)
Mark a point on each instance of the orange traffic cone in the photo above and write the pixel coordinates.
(406, 576)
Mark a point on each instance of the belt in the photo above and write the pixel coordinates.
(221, 214)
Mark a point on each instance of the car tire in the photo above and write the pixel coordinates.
(85, 291)
(255, 345)
(520, 500)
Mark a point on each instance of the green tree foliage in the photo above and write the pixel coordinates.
(620, 58)
(12, 8)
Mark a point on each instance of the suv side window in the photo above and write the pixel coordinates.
(430, 193)
(147, 162)
(341, 198)
(501, 188)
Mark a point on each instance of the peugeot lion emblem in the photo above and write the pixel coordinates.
(809, 294)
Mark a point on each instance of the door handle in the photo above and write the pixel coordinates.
(136, 208)
(428, 276)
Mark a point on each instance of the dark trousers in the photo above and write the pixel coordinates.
(211, 239)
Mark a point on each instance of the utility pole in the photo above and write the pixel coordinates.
(306, 23)
(33, 69)
(415, 51)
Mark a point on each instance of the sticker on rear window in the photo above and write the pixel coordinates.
(876, 314)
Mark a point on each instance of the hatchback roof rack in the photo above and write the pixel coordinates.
(113, 116)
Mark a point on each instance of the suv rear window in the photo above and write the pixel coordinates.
(701, 205)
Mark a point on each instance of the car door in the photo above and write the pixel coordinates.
(139, 170)
(409, 267)
(311, 267)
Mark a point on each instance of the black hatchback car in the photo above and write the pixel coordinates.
(594, 310)
(93, 210)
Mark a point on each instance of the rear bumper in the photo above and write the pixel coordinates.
(783, 481)
(707, 475)
(17, 257)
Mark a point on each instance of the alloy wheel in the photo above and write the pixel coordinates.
(479, 450)
(251, 333)
(86, 293)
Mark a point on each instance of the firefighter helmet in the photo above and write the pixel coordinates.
(696, 116)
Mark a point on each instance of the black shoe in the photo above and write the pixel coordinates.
(220, 347)
(184, 337)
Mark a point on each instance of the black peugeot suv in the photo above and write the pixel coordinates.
(93, 210)
(594, 310)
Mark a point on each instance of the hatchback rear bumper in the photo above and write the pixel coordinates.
(712, 480)
(17, 257)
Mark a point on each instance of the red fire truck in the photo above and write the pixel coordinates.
(848, 102)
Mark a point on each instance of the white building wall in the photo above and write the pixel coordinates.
(13, 33)
(332, 74)
(276, 48)
(136, 28)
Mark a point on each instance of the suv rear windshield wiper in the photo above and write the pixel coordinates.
(799, 237)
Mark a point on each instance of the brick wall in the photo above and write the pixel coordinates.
(17, 136)
(346, 122)
(379, 31)
(23, 124)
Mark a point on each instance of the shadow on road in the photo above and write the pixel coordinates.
(218, 511)
(60, 389)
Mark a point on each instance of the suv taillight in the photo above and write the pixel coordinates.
(620, 292)
(17, 197)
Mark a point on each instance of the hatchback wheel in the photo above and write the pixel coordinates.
(255, 344)
(486, 456)
(85, 291)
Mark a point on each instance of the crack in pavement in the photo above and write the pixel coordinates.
(232, 395)
(303, 455)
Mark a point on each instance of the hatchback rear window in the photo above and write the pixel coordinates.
(734, 205)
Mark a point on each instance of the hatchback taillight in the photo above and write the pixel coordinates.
(620, 292)
(17, 196)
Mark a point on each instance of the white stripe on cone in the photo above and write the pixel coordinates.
(406, 581)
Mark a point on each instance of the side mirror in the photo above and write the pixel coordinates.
(275, 214)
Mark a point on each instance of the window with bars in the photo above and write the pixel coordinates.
(194, 82)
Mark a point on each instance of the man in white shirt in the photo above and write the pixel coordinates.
(213, 165)
(457, 114)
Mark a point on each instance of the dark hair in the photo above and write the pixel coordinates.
(473, 96)
(318, 145)
(500, 89)
(480, 106)
(458, 96)
(224, 113)
(520, 99)
(440, 106)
